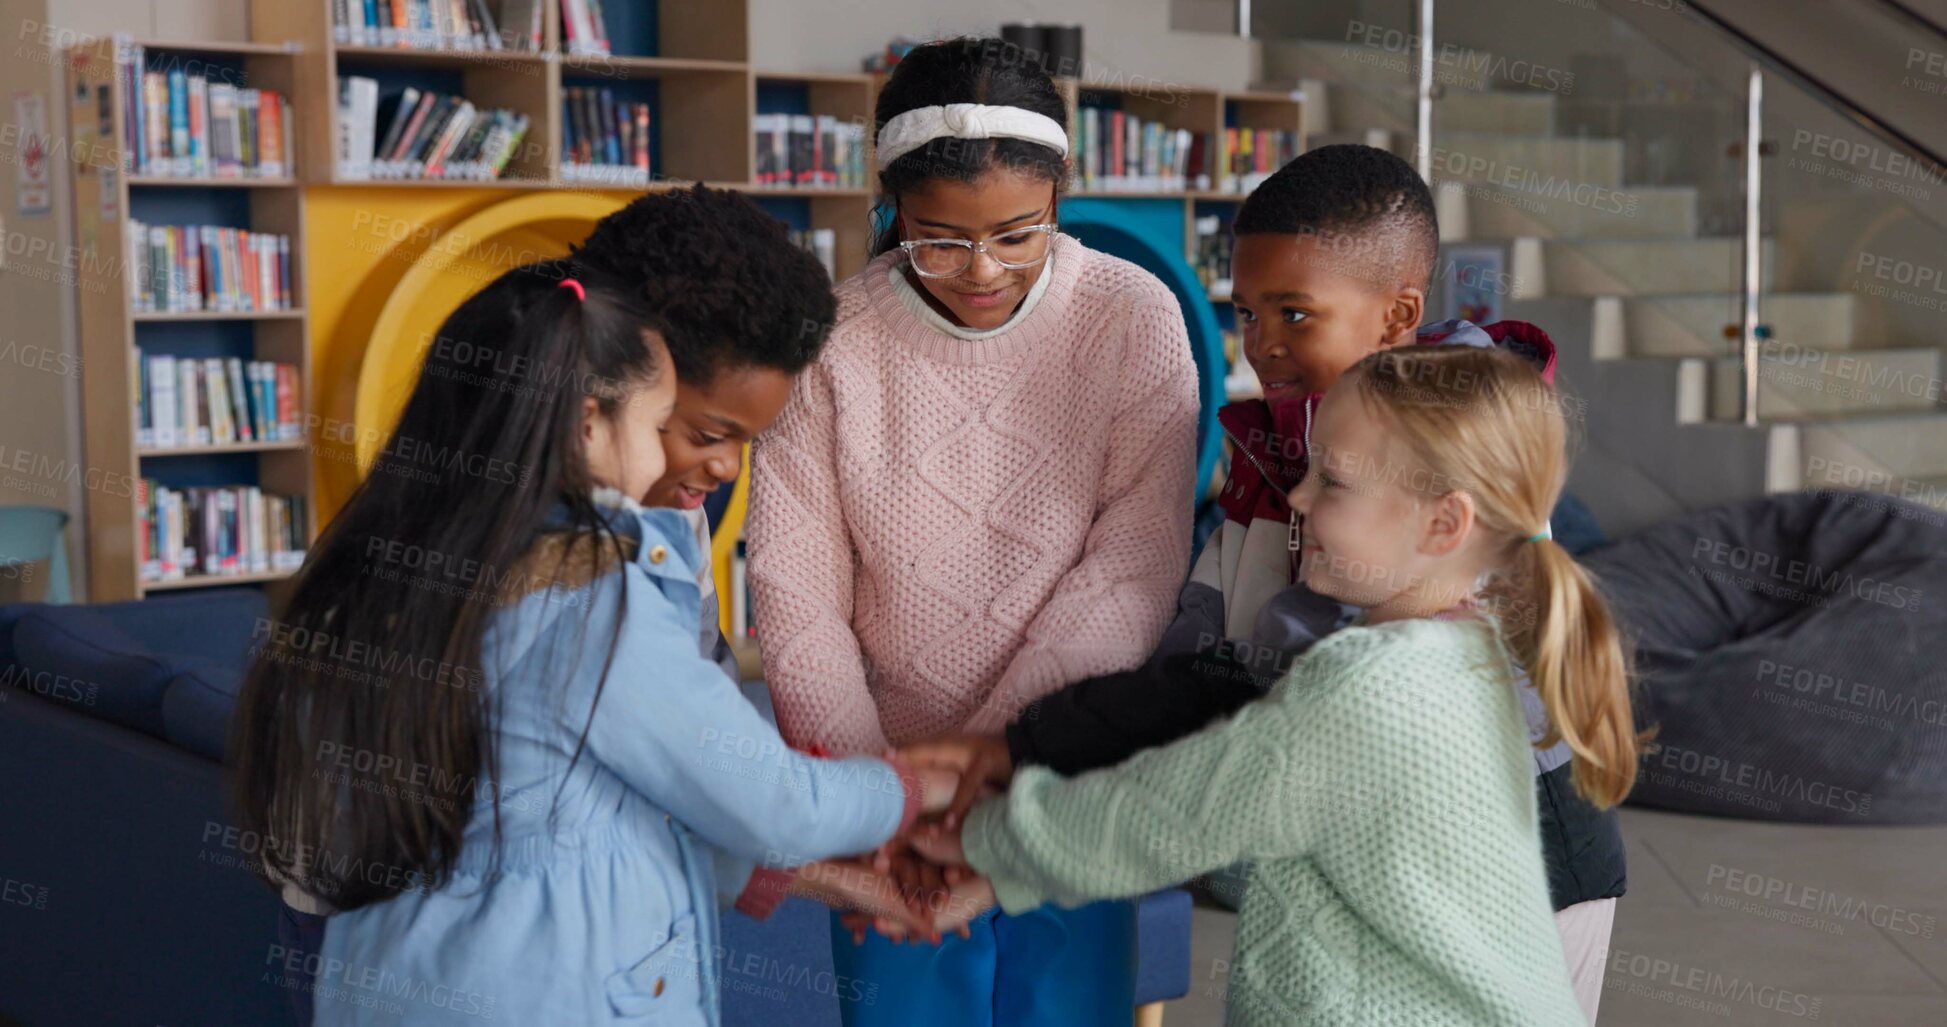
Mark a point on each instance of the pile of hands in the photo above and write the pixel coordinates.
(918, 885)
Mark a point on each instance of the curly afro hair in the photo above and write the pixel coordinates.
(722, 276)
(1372, 212)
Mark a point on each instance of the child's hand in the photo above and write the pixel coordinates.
(981, 761)
(965, 903)
(854, 884)
(939, 785)
(953, 911)
(939, 843)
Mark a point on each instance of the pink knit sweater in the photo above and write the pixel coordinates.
(944, 530)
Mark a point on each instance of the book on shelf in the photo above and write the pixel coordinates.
(198, 268)
(809, 150)
(184, 402)
(1252, 154)
(584, 31)
(433, 24)
(220, 531)
(821, 243)
(1120, 152)
(425, 135)
(1211, 255)
(182, 125)
(604, 140)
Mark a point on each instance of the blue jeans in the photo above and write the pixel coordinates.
(1047, 967)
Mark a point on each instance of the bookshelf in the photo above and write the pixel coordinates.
(109, 201)
(689, 62)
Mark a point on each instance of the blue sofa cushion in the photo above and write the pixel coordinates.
(1163, 946)
(215, 624)
(196, 707)
(10, 613)
(74, 655)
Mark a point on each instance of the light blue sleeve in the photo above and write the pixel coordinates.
(677, 730)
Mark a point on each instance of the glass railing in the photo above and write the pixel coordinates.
(1719, 205)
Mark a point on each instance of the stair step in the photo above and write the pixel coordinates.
(1538, 163)
(1512, 113)
(1482, 211)
(1693, 326)
(1875, 453)
(1366, 87)
(1635, 267)
(1801, 384)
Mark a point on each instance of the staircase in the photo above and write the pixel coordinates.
(1639, 295)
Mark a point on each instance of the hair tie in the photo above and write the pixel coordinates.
(1547, 531)
(580, 293)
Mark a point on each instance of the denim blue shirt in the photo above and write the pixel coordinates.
(603, 904)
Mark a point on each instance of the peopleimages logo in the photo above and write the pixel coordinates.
(1817, 685)
(1823, 901)
(1709, 984)
(1736, 779)
(1801, 574)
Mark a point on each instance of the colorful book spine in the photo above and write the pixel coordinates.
(187, 268)
(183, 402)
(221, 531)
(605, 139)
(183, 125)
(415, 135)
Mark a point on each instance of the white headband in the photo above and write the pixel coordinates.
(907, 132)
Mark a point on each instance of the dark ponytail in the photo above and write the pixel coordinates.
(966, 70)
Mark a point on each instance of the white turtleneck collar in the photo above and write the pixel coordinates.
(902, 287)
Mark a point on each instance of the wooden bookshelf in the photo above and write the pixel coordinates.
(113, 332)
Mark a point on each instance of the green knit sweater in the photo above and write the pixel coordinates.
(1384, 790)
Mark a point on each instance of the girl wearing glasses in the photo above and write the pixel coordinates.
(978, 493)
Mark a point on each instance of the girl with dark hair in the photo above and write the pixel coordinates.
(978, 493)
(481, 734)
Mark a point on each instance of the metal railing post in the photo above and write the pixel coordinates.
(1424, 108)
(1753, 239)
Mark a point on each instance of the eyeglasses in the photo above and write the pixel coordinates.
(950, 258)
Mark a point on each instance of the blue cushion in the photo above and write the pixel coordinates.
(10, 613)
(1574, 525)
(72, 654)
(1163, 946)
(196, 707)
(218, 624)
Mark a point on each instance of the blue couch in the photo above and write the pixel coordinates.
(124, 894)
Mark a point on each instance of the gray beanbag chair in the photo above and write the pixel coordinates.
(1793, 651)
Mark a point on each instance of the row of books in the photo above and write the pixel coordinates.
(438, 24)
(1210, 255)
(193, 268)
(190, 401)
(426, 135)
(603, 139)
(810, 150)
(222, 531)
(1252, 154)
(197, 126)
(1121, 152)
(584, 28)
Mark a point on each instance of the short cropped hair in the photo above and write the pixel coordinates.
(1368, 207)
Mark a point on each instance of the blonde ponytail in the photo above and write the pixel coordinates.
(1486, 420)
(1574, 655)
